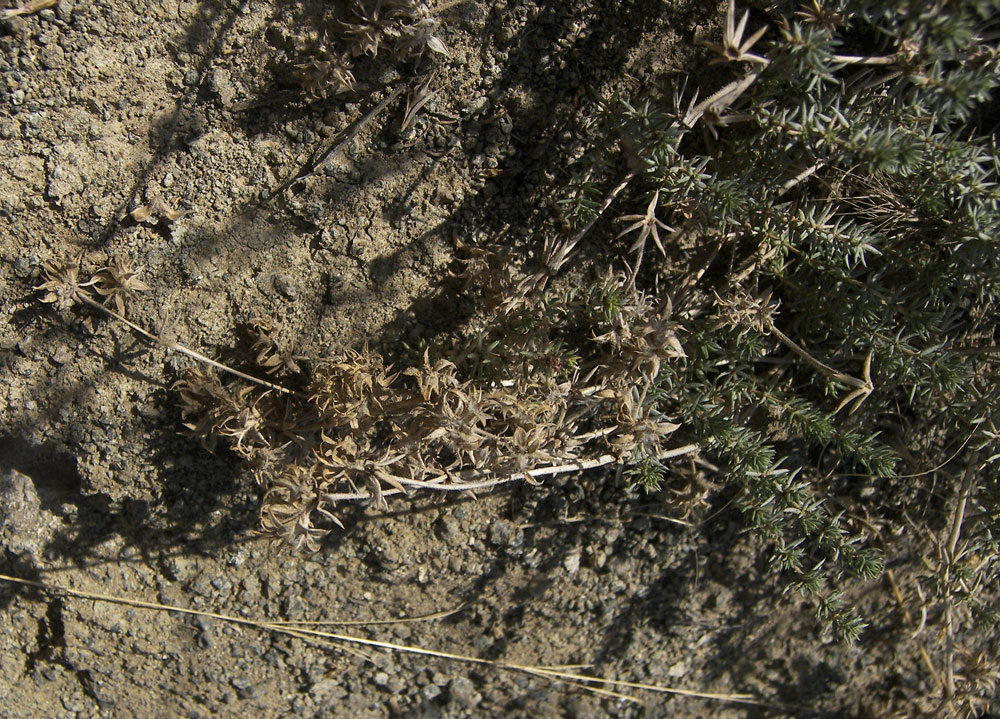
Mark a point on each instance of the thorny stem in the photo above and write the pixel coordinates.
(862, 387)
(554, 256)
(324, 157)
(684, 292)
(959, 515)
(908, 618)
(827, 369)
(563, 252)
(604, 206)
(597, 433)
(801, 177)
(721, 100)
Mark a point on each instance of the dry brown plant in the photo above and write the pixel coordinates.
(360, 429)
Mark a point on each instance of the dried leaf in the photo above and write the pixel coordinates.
(414, 102)
(156, 209)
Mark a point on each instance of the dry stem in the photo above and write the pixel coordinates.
(581, 680)
(176, 347)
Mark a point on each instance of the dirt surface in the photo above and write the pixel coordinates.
(110, 106)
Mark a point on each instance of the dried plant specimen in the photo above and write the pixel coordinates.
(326, 72)
(62, 286)
(116, 283)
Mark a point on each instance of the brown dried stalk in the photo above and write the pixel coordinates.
(742, 311)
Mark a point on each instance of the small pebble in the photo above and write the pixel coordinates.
(463, 691)
(285, 287)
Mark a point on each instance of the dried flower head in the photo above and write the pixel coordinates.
(641, 429)
(326, 73)
(416, 39)
(641, 335)
(648, 225)
(155, 210)
(820, 15)
(743, 312)
(287, 513)
(372, 22)
(272, 356)
(408, 25)
(62, 286)
(116, 282)
(351, 390)
(733, 47)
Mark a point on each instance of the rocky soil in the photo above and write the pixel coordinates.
(171, 135)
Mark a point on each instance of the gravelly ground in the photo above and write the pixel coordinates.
(113, 105)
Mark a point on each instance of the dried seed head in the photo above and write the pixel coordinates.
(326, 73)
(287, 513)
(409, 26)
(116, 282)
(272, 357)
(62, 286)
(744, 312)
(415, 40)
(156, 209)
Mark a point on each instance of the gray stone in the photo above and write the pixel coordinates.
(221, 85)
(449, 528)
(285, 287)
(73, 702)
(65, 171)
(52, 57)
(24, 526)
(327, 689)
(64, 10)
(462, 691)
(506, 534)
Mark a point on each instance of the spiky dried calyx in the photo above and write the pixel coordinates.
(326, 73)
(117, 282)
(409, 26)
(289, 505)
(272, 356)
(743, 312)
(62, 286)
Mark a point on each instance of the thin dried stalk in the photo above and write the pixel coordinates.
(581, 680)
(177, 347)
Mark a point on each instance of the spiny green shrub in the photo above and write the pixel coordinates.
(837, 205)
